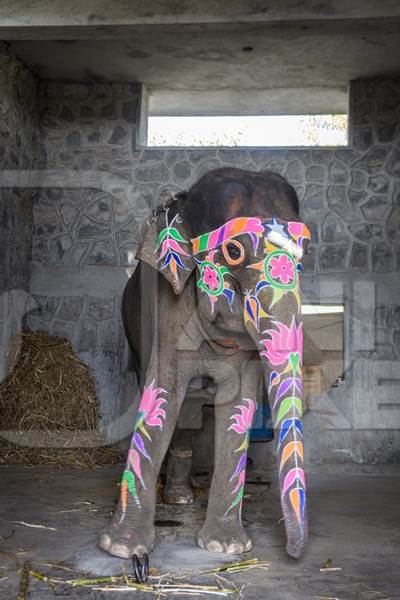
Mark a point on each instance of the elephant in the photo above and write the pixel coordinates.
(216, 294)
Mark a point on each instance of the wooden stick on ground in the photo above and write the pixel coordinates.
(24, 582)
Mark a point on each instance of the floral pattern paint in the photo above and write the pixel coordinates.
(150, 414)
(253, 310)
(212, 282)
(170, 248)
(250, 225)
(282, 268)
(279, 271)
(242, 425)
(283, 348)
(279, 268)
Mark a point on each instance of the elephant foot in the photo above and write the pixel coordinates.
(228, 537)
(124, 540)
(177, 488)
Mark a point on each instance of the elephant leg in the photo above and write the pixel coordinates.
(132, 528)
(177, 488)
(223, 530)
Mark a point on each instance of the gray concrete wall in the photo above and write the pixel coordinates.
(18, 150)
(85, 237)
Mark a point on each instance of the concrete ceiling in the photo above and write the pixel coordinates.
(242, 60)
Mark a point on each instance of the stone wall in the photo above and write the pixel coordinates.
(18, 150)
(101, 187)
(85, 234)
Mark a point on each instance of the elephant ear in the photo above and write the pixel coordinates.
(166, 247)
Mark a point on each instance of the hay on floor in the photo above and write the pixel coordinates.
(48, 408)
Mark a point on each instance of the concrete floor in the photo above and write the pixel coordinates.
(354, 521)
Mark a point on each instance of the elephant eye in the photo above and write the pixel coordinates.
(233, 252)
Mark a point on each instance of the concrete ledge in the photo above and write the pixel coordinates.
(34, 13)
(100, 281)
(277, 101)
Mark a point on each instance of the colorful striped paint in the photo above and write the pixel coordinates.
(232, 228)
(242, 425)
(298, 500)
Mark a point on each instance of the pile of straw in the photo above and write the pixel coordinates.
(48, 409)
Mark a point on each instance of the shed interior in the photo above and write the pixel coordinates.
(76, 184)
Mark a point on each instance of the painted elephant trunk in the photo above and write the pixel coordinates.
(281, 355)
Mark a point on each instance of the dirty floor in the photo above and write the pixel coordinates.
(354, 524)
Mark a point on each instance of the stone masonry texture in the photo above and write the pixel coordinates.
(18, 150)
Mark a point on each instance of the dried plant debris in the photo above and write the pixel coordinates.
(164, 584)
(24, 581)
(328, 567)
(48, 408)
(35, 526)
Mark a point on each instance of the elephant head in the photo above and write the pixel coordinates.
(239, 231)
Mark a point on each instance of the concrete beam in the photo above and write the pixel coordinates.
(142, 116)
(277, 101)
(58, 13)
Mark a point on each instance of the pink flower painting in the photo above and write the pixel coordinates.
(210, 278)
(282, 268)
(212, 282)
(244, 418)
(283, 343)
(150, 410)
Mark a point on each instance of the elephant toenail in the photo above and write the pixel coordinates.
(234, 549)
(214, 547)
(120, 550)
(140, 550)
(249, 545)
(105, 542)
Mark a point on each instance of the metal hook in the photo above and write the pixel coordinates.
(141, 567)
